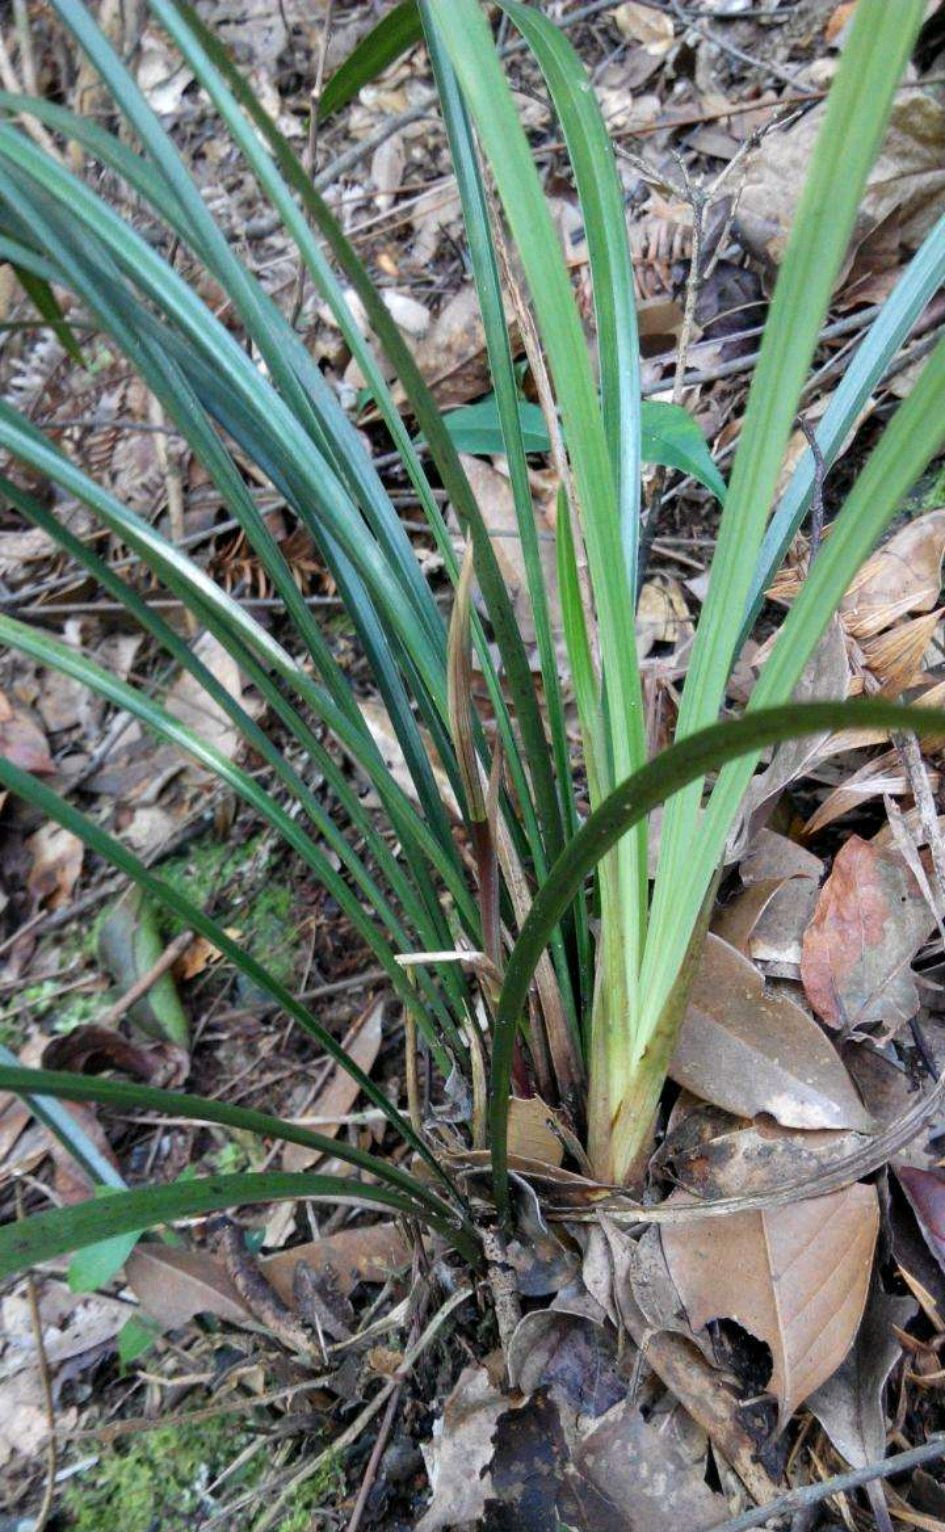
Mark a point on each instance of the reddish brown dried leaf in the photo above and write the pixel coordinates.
(796, 1277)
(870, 921)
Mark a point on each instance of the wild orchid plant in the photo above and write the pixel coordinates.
(577, 967)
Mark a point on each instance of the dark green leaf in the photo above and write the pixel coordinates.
(47, 1235)
(47, 304)
(672, 438)
(394, 34)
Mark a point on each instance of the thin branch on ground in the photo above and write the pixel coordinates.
(813, 1494)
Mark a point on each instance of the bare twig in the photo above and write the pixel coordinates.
(45, 1383)
(147, 981)
(817, 492)
(813, 1494)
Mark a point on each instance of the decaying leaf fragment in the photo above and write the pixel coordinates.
(796, 1277)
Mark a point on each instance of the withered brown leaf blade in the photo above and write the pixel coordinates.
(870, 921)
(796, 1277)
(849, 1405)
(175, 1285)
(750, 1050)
(925, 1190)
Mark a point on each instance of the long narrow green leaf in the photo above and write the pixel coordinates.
(471, 51)
(605, 225)
(670, 772)
(56, 808)
(65, 1086)
(857, 111)
(919, 283)
(556, 815)
(507, 634)
(450, 469)
(393, 36)
(97, 1166)
(913, 436)
(47, 1235)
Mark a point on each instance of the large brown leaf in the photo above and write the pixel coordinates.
(796, 1277)
(870, 921)
(749, 1050)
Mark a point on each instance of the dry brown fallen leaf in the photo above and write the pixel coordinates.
(459, 1455)
(175, 1285)
(530, 1131)
(750, 1050)
(795, 1277)
(713, 1154)
(904, 184)
(493, 493)
(902, 576)
(339, 1093)
(826, 678)
(22, 741)
(870, 921)
(57, 857)
(640, 24)
(187, 700)
(376, 717)
(849, 1405)
(452, 355)
(74, 1326)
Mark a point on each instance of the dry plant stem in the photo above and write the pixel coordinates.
(814, 1494)
(147, 981)
(45, 1383)
(11, 83)
(546, 399)
(390, 1413)
(502, 1281)
(817, 491)
(262, 1300)
(347, 1437)
(370, 1473)
(24, 42)
(137, 1423)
